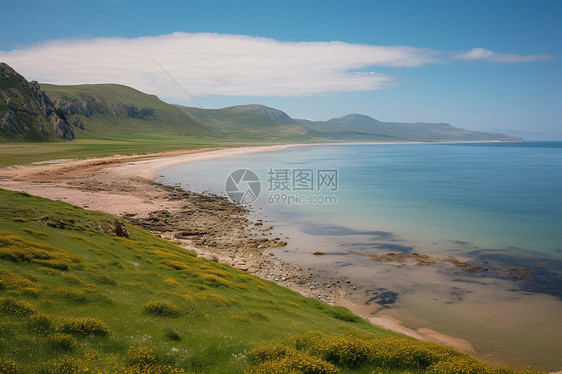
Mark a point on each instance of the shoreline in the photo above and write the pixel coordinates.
(148, 167)
(124, 185)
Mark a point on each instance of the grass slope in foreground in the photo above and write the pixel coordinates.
(83, 291)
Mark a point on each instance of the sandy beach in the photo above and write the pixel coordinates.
(210, 225)
(148, 168)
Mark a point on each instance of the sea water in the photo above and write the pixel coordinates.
(497, 205)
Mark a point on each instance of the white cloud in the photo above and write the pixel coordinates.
(218, 64)
(481, 54)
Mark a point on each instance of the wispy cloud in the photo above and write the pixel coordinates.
(481, 54)
(218, 64)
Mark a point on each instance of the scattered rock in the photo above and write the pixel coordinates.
(119, 229)
(78, 123)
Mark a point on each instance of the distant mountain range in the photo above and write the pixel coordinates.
(352, 127)
(360, 127)
(532, 135)
(33, 112)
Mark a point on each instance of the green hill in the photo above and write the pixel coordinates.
(36, 123)
(274, 114)
(70, 287)
(257, 122)
(111, 111)
(86, 292)
(252, 123)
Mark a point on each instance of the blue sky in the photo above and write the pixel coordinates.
(474, 64)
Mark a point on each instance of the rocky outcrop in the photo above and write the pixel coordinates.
(78, 123)
(26, 112)
(8, 122)
(61, 127)
(89, 105)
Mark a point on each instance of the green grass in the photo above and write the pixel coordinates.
(222, 125)
(112, 111)
(74, 296)
(128, 285)
(248, 125)
(25, 153)
(106, 134)
(110, 92)
(110, 130)
(109, 127)
(168, 128)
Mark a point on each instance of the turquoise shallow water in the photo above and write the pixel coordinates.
(500, 195)
(497, 195)
(497, 204)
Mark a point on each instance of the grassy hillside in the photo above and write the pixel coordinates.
(83, 291)
(111, 92)
(109, 119)
(112, 119)
(244, 123)
(116, 120)
(24, 153)
(112, 111)
(272, 113)
(61, 265)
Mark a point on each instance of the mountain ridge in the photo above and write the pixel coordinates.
(33, 112)
(103, 109)
(350, 127)
(250, 123)
(356, 117)
(274, 114)
(531, 135)
(355, 126)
